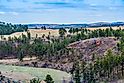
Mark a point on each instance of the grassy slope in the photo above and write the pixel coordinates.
(27, 73)
(33, 32)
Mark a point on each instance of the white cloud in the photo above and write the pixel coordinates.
(14, 13)
(2, 13)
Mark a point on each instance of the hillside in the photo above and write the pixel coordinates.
(94, 46)
(79, 52)
(83, 50)
(33, 32)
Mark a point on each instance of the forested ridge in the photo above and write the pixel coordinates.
(8, 28)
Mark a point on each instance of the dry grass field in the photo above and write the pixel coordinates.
(53, 32)
(39, 32)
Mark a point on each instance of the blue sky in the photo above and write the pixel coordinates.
(61, 11)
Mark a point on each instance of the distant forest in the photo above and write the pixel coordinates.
(8, 28)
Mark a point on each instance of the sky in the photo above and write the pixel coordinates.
(61, 11)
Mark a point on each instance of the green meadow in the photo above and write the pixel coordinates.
(30, 72)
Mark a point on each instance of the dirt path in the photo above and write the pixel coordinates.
(12, 61)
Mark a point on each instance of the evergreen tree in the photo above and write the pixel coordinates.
(49, 79)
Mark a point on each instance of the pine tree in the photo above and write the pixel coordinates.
(49, 79)
(77, 73)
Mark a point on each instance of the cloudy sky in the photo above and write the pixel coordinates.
(61, 11)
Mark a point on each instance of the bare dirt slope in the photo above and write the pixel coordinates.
(92, 46)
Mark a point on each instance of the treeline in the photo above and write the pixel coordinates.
(8, 28)
(108, 32)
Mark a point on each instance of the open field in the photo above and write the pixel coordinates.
(33, 32)
(27, 73)
(53, 32)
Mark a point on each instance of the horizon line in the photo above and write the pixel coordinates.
(64, 23)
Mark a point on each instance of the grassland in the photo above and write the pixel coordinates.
(27, 73)
(53, 32)
(39, 32)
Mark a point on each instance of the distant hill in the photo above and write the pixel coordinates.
(57, 26)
